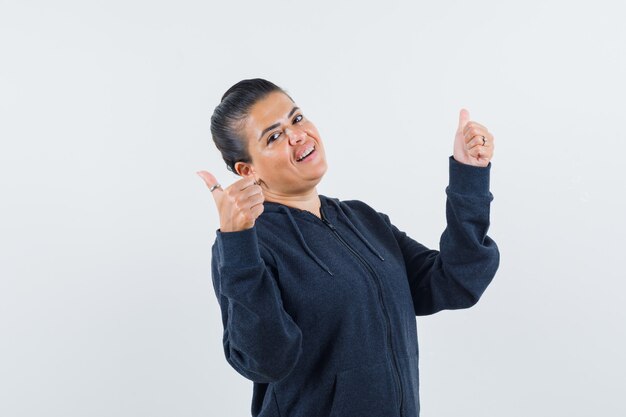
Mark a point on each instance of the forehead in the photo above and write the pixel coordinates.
(267, 111)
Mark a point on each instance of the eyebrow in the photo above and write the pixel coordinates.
(275, 125)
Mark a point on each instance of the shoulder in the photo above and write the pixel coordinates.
(355, 205)
(361, 210)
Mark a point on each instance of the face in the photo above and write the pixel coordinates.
(285, 147)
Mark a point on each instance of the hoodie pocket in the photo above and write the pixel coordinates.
(365, 392)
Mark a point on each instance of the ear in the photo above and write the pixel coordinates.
(244, 169)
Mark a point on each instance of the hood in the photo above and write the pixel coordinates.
(343, 214)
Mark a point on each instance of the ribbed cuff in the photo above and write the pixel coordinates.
(239, 248)
(469, 179)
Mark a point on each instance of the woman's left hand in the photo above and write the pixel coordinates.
(469, 146)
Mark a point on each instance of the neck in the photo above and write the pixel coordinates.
(309, 201)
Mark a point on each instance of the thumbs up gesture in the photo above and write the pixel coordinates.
(473, 144)
(238, 205)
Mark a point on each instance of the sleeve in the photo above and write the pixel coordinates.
(455, 276)
(261, 341)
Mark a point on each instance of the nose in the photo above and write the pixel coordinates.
(295, 135)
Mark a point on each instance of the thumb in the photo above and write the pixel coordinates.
(210, 180)
(463, 119)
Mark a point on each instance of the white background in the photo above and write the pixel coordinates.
(106, 302)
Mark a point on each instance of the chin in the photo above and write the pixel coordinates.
(316, 179)
(321, 172)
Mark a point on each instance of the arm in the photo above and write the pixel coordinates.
(261, 341)
(456, 276)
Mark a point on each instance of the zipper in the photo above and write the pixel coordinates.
(380, 297)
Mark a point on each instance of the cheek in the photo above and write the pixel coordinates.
(312, 131)
(276, 159)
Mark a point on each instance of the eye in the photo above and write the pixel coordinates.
(273, 137)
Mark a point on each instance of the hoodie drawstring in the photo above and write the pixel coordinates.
(347, 221)
(306, 247)
(355, 230)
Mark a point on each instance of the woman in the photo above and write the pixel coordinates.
(319, 296)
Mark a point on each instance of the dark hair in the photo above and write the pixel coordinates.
(228, 118)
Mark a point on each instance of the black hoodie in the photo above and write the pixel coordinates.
(320, 313)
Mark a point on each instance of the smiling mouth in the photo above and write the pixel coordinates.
(306, 153)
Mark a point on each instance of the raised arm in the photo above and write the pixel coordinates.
(261, 341)
(455, 276)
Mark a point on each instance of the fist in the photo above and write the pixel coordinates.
(469, 147)
(238, 205)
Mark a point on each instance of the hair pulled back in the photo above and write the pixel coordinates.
(228, 118)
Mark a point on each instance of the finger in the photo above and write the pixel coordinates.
(246, 198)
(254, 200)
(475, 152)
(475, 132)
(478, 141)
(463, 119)
(473, 124)
(480, 152)
(250, 191)
(256, 210)
(252, 208)
(210, 180)
(243, 183)
(472, 128)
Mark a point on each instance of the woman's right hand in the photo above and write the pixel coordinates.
(238, 205)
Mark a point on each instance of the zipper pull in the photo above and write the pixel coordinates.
(329, 224)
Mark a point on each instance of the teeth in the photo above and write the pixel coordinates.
(308, 151)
